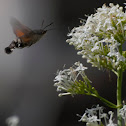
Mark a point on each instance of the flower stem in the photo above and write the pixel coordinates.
(119, 99)
(108, 103)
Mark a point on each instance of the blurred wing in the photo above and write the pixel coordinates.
(18, 28)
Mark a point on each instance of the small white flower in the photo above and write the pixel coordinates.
(90, 121)
(12, 121)
(110, 120)
(125, 5)
(120, 57)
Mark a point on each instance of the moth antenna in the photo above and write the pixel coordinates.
(47, 25)
(42, 23)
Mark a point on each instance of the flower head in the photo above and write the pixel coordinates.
(12, 121)
(95, 116)
(67, 79)
(100, 39)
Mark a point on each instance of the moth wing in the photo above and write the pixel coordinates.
(18, 28)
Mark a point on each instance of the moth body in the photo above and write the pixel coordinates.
(25, 37)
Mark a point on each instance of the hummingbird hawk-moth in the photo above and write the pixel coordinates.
(25, 37)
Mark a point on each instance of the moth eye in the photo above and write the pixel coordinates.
(44, 31)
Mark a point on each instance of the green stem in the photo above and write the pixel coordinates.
(108, 103)
(119, 99)
(119, 89)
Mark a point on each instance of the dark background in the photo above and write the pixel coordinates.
(26, 76)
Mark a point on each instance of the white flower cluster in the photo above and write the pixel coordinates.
(13, 121)
(67, 79)
(94, 116)
(100, 39)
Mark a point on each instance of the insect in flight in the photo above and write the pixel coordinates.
(25, 37)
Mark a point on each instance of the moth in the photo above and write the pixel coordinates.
(25, 37)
